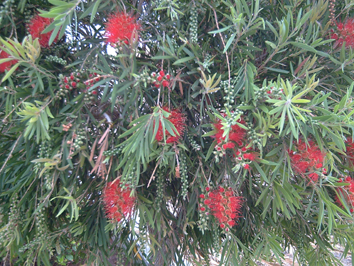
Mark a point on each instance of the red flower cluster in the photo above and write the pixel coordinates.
(223, 205)
(117, 201)
(35, 28)
(178, 120)
(121, 27)
(307, 158)
(347, 192)
(237, 135)
(350, 151)
(162, 79)
(6, 65)
(345, 33)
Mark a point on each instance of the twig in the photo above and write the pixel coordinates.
(223, 43)
(12, 150)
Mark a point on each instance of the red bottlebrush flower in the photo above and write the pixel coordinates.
(67, 86)
(246, 166)
(307, 158)
(250, 156)
(202, 196)
(207, 188)
(224, 205)
(6, 65)
(73, 84)
(66, 80)
(165, 83)
(345, 33)
(35, 28)
(121, 27)
(168, 77)
(229, 145)
(314, 176)
(202, 209)
(159, 78)
(94, 92)
(222, 225)
(237, 134)
(162, 74)
(117, 201)
(178, 120)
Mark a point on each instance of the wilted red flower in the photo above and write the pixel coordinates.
(117, 201)
(178, 120)
(224, 205)
(6, 65)
(237, 134)
(307, 158)
(121, 27)
(35, 28)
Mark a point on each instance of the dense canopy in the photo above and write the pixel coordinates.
(173, 132)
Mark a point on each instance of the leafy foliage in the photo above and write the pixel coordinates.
(247, 103)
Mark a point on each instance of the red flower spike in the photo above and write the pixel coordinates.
(229, 145)
(162, 74)
(6, 65)
(67, 86)
(121, 27)
(36, 26)
(178, 120)
(246, 166)
(207, 188)
(165, 83)
(307, 158)
(73, 84)
(236, 134)
(314, 176)
(224, 205)
(202, 209)
(319, 165)
(159, 78)
(168, 77)
(117, 201)
(94, 92)
(202, 196)
(157, 85)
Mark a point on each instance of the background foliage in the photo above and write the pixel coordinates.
(269, 63)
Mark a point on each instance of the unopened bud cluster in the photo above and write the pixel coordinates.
(271, 92)
(42, 238)
(193, 143)
(78, 80)
(203, 214)
(159, 190)
(184, 175)
(56, 59)
(5, 8)
(193, 25)
(11, 229)
(113, 152)
(129, 179)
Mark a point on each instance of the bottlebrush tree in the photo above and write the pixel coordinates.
(176, 132)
